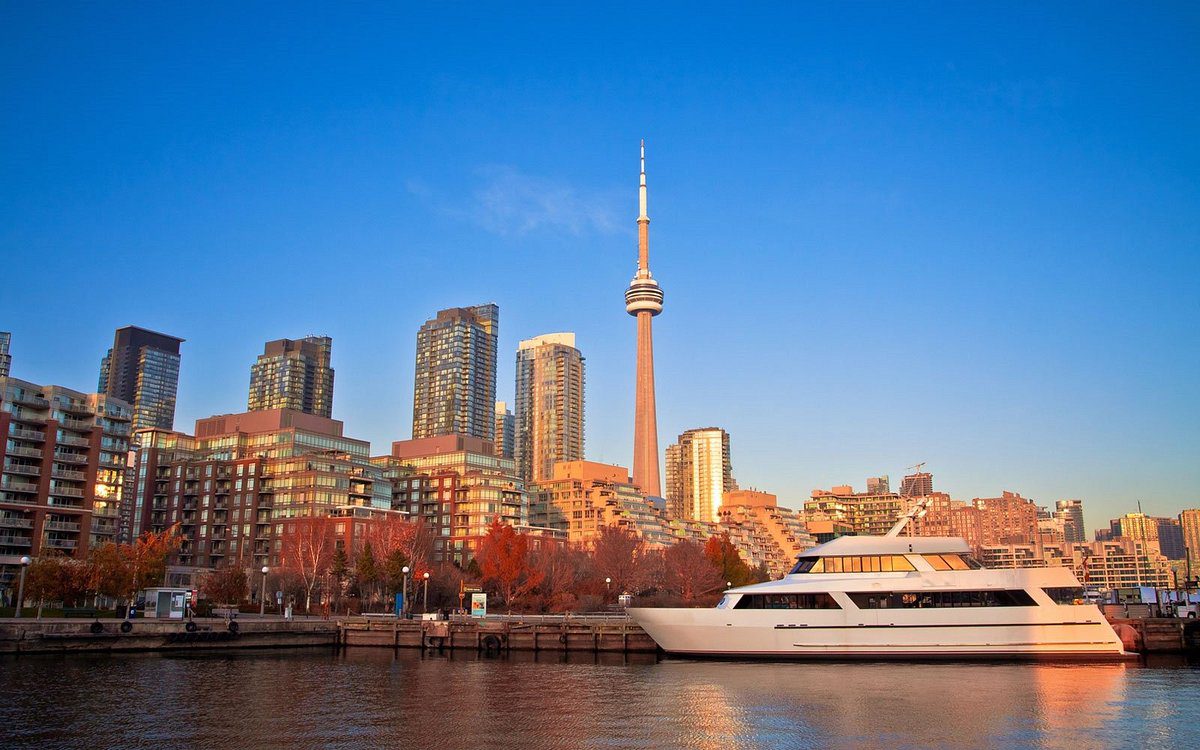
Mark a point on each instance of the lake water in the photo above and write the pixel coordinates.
(379, 698)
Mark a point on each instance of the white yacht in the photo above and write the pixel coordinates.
(894, 597)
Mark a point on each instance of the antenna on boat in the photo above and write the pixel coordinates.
(916, 511)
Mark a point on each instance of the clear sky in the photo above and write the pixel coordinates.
(959, 233)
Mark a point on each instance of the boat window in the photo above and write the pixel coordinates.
(1066, 594)
(951, 562)
(937, 562)
(806, 564)
(932, 599)
(786, 601)
(859, 564)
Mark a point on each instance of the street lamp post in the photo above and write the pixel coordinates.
(607, 588)
(425, 597)
(21, 587)
(404, 592)
(262, 595)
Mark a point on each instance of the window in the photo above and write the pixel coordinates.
(786, 601)
(951, 562)
(936, 599)
(854, 564)
(1066, 594)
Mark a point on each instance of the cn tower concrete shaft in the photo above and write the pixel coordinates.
(644, 300)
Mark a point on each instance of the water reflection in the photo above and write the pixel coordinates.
(377, 698)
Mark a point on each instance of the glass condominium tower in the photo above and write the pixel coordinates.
(293, 374)
(454, 388)
(550, 379)
(142, 368)
(699, 473)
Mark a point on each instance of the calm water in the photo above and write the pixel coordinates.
(377, 698)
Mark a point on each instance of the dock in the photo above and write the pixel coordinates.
(47, 636)
(501, 634)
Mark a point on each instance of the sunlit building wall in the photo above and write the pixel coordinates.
(699, 473)
(454, 388)
(549, 406)
(294, 374)
(506, 430)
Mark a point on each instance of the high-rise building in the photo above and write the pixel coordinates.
(1071, 514)
(644, 300)
(699, 473)
(1008, 519)
(293, 374)
(917, 485)
(506, 430)
(1189, 522)
(142, 369)
(1170, 538)
(5, 356)
(865, 513)
(63, 470)
(879, 485)
(550, 403)
(454, 391)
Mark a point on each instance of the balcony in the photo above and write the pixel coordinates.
(66, 491)
(12, 540)
(15, 499)
(18, 486)
(34, 435)
(31, 470)
(58, 502)
(77, 476)
(60, 526)
(61, 543)
(73, 440)
(23, 451)
(83, 425)
(15, 522)
(70, 458)
(28, 399)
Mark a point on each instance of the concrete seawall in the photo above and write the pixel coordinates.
(27, 636)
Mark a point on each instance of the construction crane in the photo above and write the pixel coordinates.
(918, 467)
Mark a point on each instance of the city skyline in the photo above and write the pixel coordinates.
(1022, 228)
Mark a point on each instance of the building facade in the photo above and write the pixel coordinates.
(865, 513)
(455, 484)
(142, 369)
(782, 531)
(549, 406)
(699, 473)
(581, 498)
(454, 388)
(1008, 519)
(294, 374)
(917, 485)
(1189, 523)
(1071, 514)
(506, 430)
(5, 354)
(63, 470)
(229, 487)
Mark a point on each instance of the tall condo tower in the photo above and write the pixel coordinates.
(293, 374)
(644, 300)
(454, 391)
(142, 369)
(550, 378)
(699, 473)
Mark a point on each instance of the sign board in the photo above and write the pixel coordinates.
(279, 597)
(478, 605)
(399, 607)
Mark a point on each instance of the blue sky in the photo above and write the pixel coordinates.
(952, 233)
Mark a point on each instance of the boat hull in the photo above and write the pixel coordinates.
(1083, 635)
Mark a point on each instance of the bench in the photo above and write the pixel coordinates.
(79, 612)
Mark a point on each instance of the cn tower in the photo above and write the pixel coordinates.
(644, 300)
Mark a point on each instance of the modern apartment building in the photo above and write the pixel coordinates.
(879, 485)
(549, 406)
(865, 513)
(699, 473)
(454, 390)
(1071, 513)
(917, 485)
(1189, 523)
(457, 485)
(582, 497)
(294, 374)
(782, 530)
(231, 485)
(142, 369)
(506, 430)
(5, 354)
(1008, 519)
(947, 517)
(63, 469)
(1113, 564)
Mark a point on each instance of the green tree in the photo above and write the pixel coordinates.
(393, 571)
(366, 572)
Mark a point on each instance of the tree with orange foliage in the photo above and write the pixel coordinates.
(620, 554)
(503, 558)
(563, 569)
(688, 572)
(225, 585)
(307, 552)
(725, 557)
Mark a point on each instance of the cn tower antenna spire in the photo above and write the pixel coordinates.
(644, 300)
